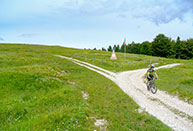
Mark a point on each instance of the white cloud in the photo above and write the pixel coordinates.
(165, 11)
(157, 11)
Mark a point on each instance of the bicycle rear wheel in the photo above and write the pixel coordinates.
(153, 87)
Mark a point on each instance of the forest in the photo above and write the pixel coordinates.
(161, 46)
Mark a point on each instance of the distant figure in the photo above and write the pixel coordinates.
(150, 75)
(113, 56)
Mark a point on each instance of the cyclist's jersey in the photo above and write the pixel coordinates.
(150, 72)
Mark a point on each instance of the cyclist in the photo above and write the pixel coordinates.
(150, 75)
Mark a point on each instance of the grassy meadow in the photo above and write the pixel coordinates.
(123, 62)
(178, 80)
(39, 91)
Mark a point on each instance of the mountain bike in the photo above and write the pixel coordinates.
(153, 86)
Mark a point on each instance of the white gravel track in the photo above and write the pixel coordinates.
(172, 111)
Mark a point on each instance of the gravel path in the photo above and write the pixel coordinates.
(175, 113)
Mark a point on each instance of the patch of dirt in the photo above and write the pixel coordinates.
(85, 95)
(140, 110)
(71, 82)
(102, 124)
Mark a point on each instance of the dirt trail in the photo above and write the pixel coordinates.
(175, 113)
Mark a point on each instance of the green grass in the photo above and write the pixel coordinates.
(178, 80)
(39, 91)
(130, 62)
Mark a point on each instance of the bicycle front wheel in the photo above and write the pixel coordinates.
(153, 87)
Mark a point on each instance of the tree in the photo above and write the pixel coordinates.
(177, 47)
(122, 48)
(136, 48)
(130, 47)
(133, 48)
(173, 54)
(190, 48)
(146, 48)
(186, 49)
(103, 49)
(110, 49)
(162, 46)
(117, 48)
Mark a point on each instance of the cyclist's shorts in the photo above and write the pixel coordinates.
(150, 77)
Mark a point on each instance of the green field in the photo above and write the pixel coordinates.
(178, 80)
(123, 63)
(40, 91)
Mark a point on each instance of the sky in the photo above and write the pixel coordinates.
(93, 23)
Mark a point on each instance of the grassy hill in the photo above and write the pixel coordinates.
(40, 91)
(178, 80)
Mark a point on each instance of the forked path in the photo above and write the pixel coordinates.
(175, 113)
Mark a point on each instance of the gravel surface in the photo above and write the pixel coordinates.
(172, 111)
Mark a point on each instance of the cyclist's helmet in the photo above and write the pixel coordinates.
(152, 67)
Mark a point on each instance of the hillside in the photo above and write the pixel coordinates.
(177, 81)
(39, 91)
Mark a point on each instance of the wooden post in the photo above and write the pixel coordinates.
(120, 64)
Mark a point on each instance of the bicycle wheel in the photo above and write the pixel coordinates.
(153, 87)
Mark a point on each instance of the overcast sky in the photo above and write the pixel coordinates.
(93, 23)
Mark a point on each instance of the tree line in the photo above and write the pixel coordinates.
(162, 46)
